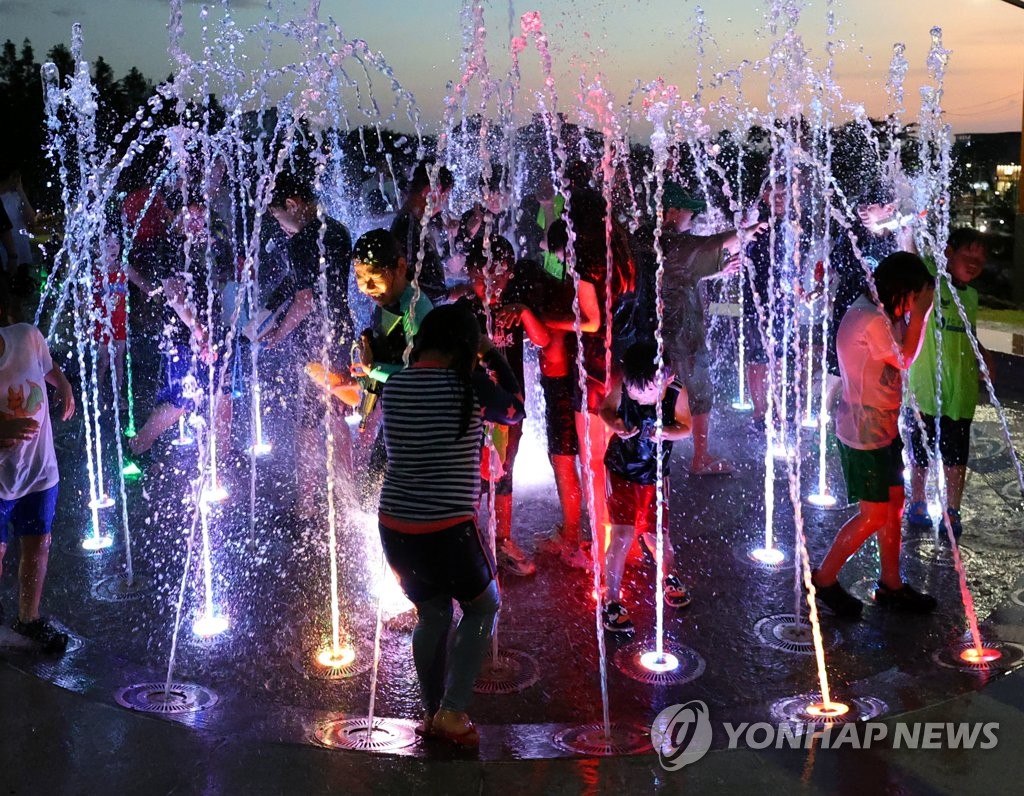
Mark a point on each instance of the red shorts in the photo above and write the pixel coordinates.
(634, 504)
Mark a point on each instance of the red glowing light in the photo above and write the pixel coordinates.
(980, 655)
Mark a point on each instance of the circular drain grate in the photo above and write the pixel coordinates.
(152, 698)
(513, 671)
(928, 551)
(789, 633)
(387, 735)
(630, 661)
(800, 714)
(1011, 491)
(748, 556)
(306, 663)
(591, 739)
(116, 589)
(1010, 657)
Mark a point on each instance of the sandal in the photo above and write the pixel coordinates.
(455, 727)
(425, 728)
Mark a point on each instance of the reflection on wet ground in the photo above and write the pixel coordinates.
(740, 655)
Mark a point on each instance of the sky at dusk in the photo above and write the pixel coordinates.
(621, 40)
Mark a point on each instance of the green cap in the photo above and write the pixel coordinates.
(674, 196)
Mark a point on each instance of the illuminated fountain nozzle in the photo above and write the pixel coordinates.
(824, 499)
(354, 420)
(261, 449)
(742, 406)
(210, 625)
(102, 502)
(980, 655)
(809, 422)
(659, 661)
(335, 657)
(771, 556)
(214, 494)
(827, 710)
(94, 543)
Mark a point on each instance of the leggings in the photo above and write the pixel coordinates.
(449, 684)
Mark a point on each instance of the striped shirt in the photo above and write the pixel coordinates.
(432, 478)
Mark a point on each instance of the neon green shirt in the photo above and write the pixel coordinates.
(959, 365)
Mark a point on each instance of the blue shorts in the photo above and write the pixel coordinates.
(30, 515)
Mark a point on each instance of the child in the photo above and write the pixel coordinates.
(28, 467)
(874, 345)
(562, 400)
(632, 471)
(493, 285)
(965, 259)
(433, 423)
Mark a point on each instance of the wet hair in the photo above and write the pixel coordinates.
(965, 236)
(288, 185)
(878, 192)
(899, 275)
(421, 177)
(639, 365)
(378, 249)
(453, 330)
(502, 254)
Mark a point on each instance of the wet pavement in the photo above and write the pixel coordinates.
(66, 732)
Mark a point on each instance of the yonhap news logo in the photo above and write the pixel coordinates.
(683, 734)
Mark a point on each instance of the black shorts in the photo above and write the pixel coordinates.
(954, 441)
(453, 562)
(561, 402)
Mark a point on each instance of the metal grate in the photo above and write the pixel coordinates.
(117, 589)
(591, 740)
(789, 633)
(629, 660)
(386, 735)
(1010, 657)
(511, 672)
(797, 712)
(153, 698)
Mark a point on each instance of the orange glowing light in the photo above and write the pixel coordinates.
(979, 655)
(827, 710)
(330, 658)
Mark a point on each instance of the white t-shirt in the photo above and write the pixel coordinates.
(29, 466)
(869, 409)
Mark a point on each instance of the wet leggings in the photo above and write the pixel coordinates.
(451, 686)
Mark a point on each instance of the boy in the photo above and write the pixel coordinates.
(494, 285)
(965, 259)
(28, 467)
(630, 411)
(382, 275)
(875, 344)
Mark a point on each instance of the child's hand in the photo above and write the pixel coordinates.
(17, 429)
(67, 397)
(621, 430)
